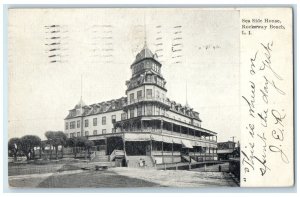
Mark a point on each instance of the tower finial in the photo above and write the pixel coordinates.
(145, 31)
(81, 89)
(186, 99)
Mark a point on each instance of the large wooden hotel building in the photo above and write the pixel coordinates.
(145, 125)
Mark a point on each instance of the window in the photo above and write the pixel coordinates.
(113, 118)
(67, 135)
(67, 125)
(86, 133)
(149, 110)
(157, 94)
(72, 125)
(103, 131)
(157, 110)
(148, 78)
(139, 94)
(123, 116)
(149, 93)
(104, 120)
(131, 97)
(131, 113)
(95, 132)
(78, 123)
(78, 134)
(113, 130)
(94, 121)
(139, 111)
(86, 123)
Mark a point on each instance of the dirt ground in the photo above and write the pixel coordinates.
(71, 177)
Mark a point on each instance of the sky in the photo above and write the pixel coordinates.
(198, 49)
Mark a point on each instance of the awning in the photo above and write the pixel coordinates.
(176, 141)
(157, 138)
(214, 145)
(96, 137)
(186, 144)
(137, 137)
(167, 139)
(210, 145)
(199, 144)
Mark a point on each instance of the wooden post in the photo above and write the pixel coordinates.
(150, 147)
(180, 130)
(162, 151)
(194, 133)
(172, 154)
(124, 148)
(105, 139)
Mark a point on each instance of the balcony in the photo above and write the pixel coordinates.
(149, 99)
(170, 133)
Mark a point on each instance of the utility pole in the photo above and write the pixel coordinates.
(233, 138)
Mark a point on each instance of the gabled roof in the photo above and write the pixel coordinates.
(184, 109)
(98, 108)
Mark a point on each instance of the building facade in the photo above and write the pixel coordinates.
(228, 150)
(145, 124)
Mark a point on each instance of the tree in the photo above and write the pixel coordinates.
(88, 145)
(80, 142)
(14, 146)
(73, 142)
(56, 139)
(27, 144)
(42, 147)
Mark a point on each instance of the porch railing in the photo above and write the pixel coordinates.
(116, 153)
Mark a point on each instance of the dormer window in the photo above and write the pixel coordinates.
(148, 79)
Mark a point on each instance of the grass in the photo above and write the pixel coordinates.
(70, 175)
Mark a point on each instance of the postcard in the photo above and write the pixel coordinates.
(150, 97)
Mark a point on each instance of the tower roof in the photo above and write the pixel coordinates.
(80, 104)
(144, 53)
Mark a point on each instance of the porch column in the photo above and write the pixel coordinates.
(105, 139)
(180, 130)
(172, 153)
(150, 147)
(142, 126)
(205, 153)
(194, 133)
(161, 125)
(172, 129)
(162, 151)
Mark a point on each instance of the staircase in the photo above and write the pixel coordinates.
(99, 157)
(188, 158)
(134, 161)
(116, 154)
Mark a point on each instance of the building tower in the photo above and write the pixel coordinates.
(146, 90)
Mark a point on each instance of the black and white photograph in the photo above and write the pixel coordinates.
(139, 97)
